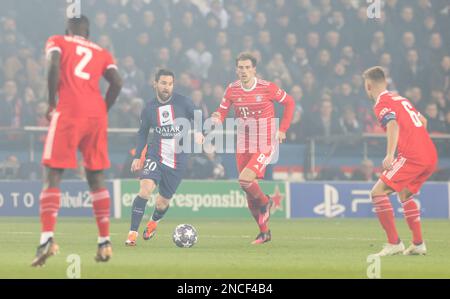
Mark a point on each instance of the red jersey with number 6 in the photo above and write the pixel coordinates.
(83, 64)
(414, 141)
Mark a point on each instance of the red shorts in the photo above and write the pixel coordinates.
(407, 175)
(255, 161)
(66, 135)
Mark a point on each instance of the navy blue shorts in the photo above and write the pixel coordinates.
(167, 179)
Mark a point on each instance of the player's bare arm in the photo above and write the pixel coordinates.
(53, 81)
(137, 165)
(424, 121)
(392, 132)
(216, 118)
(281, 136)
(115, 86)
(288, 115)
(199, 138)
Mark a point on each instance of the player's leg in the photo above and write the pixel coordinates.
(256, 198)
(385, 213)
(258, 203)
(242, 160)
(255, 169)
(50, 202)
(254, 208)
(412, 216)
(59, 154)
(170, 180)
(248, 181)
(147, 187)
(101, 203)
(161, 207)
(94, 147)
(49, 206)
(411, 209)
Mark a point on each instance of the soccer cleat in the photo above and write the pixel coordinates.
(391, 249)
(262, 238)
(131, 240)
(45, 251)
(416, 250)
(104, 252)
(264, 214)
(150, 230)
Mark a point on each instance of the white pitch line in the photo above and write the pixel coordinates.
(247, 237)
(37, 233)
(307, 238)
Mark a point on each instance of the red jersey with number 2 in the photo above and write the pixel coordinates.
(83, 64)
(414, 141)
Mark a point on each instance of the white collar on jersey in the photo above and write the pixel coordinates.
(381, 94)
(164, 103)
(251, 88)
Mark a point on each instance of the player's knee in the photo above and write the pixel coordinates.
(405, 195)
(162, 203)
(146, 190)
(380, 189)
(145, 193)
(244, 177)
(245, 184)
(53, 179)
(376, 194)
(96, 180)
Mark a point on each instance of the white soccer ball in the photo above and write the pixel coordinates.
(185, 236)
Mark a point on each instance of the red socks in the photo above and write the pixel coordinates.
(50, 201)
(255, 209)
(385, 213)
(101, 204)
(412, 216)
(254, 191)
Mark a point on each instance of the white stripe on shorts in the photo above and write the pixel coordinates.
(51, 136)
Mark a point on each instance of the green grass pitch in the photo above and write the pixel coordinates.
(309, 248)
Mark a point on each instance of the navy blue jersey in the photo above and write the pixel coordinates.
(164, 146)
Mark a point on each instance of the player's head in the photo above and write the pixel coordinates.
(375, 81)
(78, 26)
(246, 67)
(164, 83)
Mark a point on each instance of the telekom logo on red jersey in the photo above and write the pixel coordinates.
(245, 112)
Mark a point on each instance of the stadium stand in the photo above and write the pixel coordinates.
(315, 49)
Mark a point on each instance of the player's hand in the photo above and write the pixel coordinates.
(137, 165)
(199, 138)
(281, 136)
(216, 118)
(387, 162)
(50, 113)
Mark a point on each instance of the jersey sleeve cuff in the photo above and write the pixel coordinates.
(283, 98)
(53, 49)
(112, 66)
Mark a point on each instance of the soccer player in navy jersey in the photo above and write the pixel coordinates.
(164, 163)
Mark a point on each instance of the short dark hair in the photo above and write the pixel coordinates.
(375, 74)
(164, 72)
(79, 21)
(247, 56)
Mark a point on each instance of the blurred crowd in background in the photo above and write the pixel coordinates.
(314, 49)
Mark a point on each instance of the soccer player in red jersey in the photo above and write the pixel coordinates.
(253, 100)
(79, 120)
(405, 172)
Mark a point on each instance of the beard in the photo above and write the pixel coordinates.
(164, 96)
